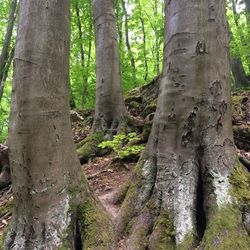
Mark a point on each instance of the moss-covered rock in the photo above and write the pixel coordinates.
(238, 107)
(242, 136)
(88, 148)
(149, 109)
(133, 96)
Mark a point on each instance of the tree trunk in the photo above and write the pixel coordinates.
(53, 207)
(239, 73)
(144, 42)
(130, 53)
(7, 40)
(247, 2)
(109, 106)
(236, 63)
(179, 194)
(157, 46)
(84, 83)
(4, 167)
(86, 74)
(119, 21)
(6, 71)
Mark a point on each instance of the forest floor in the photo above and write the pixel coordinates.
(107, 175)
(106, 178)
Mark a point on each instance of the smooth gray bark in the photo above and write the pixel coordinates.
(236, 63)
(50, 193)
(6, 71)
(4, 65)
(130, 53)
(144, 41)
(109, 105)
(239, 73)
(181, 182)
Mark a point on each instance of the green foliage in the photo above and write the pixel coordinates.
(120, 145)
(239, 33)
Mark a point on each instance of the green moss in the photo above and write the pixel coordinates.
(164, 233)
(95, 226)
(134, 95)
(3, 237)
(240, 181)
(225, 231)
(189, 242)
(135, 105)
(128, 207)
(151, 108)
(88, 148)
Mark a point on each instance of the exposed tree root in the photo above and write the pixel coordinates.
(245, 162)
(82, 224)
(154, 225)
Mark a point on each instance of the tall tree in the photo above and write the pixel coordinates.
(247, 2)
(157, 45)
(144, 40)
(53, 207)
(128, 45)
(236, 62)
(109, 106)
(84, 61)
(5, 55)
(180, 193)
(6, 71)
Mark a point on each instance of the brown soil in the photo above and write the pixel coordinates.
(106, 177)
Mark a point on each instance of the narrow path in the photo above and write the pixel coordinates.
(107, 202)
(107, 182)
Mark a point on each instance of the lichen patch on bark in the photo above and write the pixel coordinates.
(222, 188)
(58, 221)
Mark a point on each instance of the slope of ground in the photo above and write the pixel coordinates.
(107, 175)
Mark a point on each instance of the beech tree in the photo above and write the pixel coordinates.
(53, 207)
(128, 45)
(6, 54)
(236, 63)
(109, 105)
(180, 195)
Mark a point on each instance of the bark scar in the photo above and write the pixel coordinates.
(211, 8)
(215, 88)
(188, 127)
(201, 48)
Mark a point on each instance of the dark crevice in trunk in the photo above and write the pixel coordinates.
(78, 238)
(200, 215)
